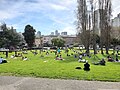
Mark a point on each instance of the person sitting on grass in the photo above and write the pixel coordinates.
(57, 57)
(86, 66)
(68, 54)
(58, 51)
(110, 59)
(60, 57)
(102, 62)
(19, 54)
(34, 52)
(47, 53)
(12, 56)
(117, 60)
(88, 56)
(71, 53)
(55, 52)
(80, 57)
(24, 58)
(75, 56)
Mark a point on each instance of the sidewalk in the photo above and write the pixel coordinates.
(29, 83)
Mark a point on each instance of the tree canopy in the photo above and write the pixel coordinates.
(29, 35)
(58, 42)
(8, 37)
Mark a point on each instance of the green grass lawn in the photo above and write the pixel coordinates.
(47, 67)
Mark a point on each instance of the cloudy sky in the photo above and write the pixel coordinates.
(44, 15)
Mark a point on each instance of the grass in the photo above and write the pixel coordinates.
(47, 67)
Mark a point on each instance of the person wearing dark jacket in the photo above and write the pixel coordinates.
(86, 66)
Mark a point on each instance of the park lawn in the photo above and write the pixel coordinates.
(47, 67)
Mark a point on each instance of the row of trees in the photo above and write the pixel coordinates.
(87, 23)
(29, 36)
(10, 38)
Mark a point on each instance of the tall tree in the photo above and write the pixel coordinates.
(93, 20)
(101, 12)
(82, 23)
(105, 23)
(29, 35)
(108, 24)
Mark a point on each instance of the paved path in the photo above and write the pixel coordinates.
(29, 83)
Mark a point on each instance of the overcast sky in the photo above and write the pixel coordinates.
(44, 15)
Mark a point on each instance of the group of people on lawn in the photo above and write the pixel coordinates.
(101, 62)
(19, 55)
(3, 60)
(110, 59)
(59, 57)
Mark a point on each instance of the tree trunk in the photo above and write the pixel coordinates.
(94, 37)
(113, 49)
(87, 49)
(107, 50)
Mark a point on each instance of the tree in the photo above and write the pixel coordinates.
(108, 15)
(4, 27)
(29, 35)
(97, 38)
(105, 23)
(58, 42)
(8, 37)
(115, 42)
(14, 38)
(83, 23)
(93, 8)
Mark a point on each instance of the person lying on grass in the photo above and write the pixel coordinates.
(13, 57)
(2, 60)
(117, 60)
(24, 58)
(101, 62)
(24, 52)
(82, 60)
